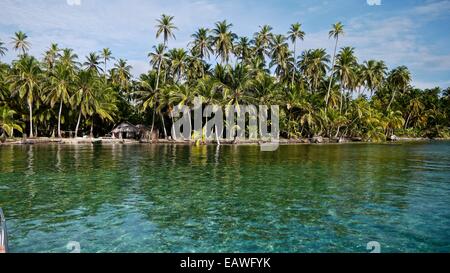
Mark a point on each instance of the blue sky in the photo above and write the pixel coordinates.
(401, 32)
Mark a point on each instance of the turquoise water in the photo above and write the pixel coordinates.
(306, 198)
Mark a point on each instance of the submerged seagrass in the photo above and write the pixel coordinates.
(130, 198)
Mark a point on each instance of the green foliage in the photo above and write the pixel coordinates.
(319, 94)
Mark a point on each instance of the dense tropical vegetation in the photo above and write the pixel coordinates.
(319, 95)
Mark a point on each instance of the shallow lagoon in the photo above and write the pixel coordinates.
(176, 198)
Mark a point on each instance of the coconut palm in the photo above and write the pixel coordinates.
(20, 42)
(25, 81)
(262, 41)
(336, 32)
(106, 55)
(7, 122)
(69, 59)
(3, 49)
(82, 97)
(295, 33)
(121, 74)
(178, 58)
(398, 81)
(51, 55)
(345, 70)
(60, 89)
(242, 49)
(166, 28)
(223, 38)
(314, 65)
(93, 63)
(202, 44)
(280, 55)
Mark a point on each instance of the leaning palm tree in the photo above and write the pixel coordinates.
(336, 31)
(20, 42)
(25, 81)
(165, 27)
(294, 34)
(398, 81)
(223, 39)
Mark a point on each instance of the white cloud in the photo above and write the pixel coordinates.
(73, 2)
(374, 2)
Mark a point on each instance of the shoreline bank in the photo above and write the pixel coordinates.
(305, 141)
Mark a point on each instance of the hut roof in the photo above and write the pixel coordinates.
(125, 127)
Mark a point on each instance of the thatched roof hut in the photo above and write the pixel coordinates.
(125, 130)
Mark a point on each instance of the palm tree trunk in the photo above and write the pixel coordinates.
(392, 100)
(407, 121)
(332, 72)
(342, 98)
(293, 72)
(92, 128)
(59, 118)
(153, 120)
(104, 72)
(164, 126)
(30, 106)
(78, 125)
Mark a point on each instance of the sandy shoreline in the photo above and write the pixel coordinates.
(84, 141)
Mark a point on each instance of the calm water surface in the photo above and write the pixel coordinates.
(144, 198)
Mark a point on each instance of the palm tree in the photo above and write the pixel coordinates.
(202, 44)
(166, 28)
(158, 59)
(83, 96)
(146, 95)
(25, 81)
(20, 42)
(222, 40)
(345, 70)
(106, 55)
(178, 63)
(262, 41)
(59, 90)
(51, 56)
(314, 65)
(69, 59)
(93, 63)
(280, 55)
(294, 34)
(3, 49)
(336, 31)
(121, 74)
(242, 49)
(7, 121)
(398, 81)
(372, 74)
